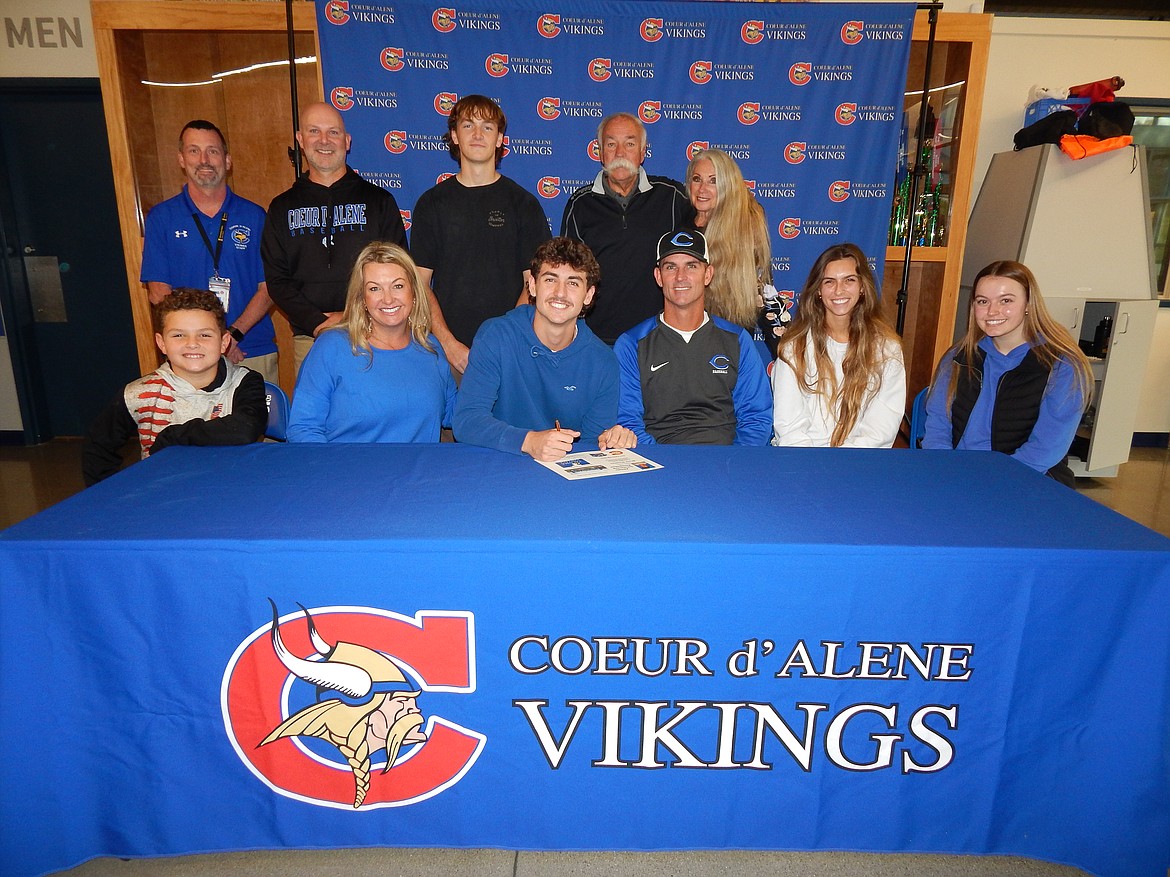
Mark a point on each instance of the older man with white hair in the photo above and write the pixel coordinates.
(620, 218)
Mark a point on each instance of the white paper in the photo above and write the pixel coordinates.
(595, 464)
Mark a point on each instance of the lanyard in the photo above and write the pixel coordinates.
(207, 241)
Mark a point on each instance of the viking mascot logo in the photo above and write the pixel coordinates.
(358, 706)
(363, 702)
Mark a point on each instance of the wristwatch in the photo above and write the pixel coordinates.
(235, 333)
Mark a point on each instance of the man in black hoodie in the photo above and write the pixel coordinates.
(316, 229)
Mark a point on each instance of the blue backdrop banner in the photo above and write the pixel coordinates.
(806, 97)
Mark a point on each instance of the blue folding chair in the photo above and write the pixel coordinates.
(278, 410)
(918, 419)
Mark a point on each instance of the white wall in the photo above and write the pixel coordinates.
(10, 419)
(1058, 53)
(1154, 407)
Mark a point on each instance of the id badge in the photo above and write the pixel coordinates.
(222, 287)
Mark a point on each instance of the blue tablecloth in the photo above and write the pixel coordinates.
(750, 648)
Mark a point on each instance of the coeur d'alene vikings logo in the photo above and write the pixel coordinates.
(337, 11)
(343, 726)
(548, 25)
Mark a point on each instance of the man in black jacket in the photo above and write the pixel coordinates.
(316, 229)
(620, 218)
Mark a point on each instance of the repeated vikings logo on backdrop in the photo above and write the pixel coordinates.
(548, 107)
(789, 228)
(395, 142)
(549, 187)
(392, 59)
(405, 214)
(749, 112)
(651, 29)
(316, 728)
(800, 73)
(548, 25)
(697, 146)
(337, 11)
(496, 64)
(650, 111)
(794, 151)
(845, 114)
(701, 72)
(341, 97)
(838, 190)
(446, 175)
(594, 149)
(504, 146)
(599, 69)
(443, 20)
(752, 32)
(445, 102)
(852, 32)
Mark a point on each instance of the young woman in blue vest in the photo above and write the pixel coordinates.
(1016, 383)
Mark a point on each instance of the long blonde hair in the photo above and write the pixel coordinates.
(355, 319)
(737, 243)
(865, 357)
(1049, 340)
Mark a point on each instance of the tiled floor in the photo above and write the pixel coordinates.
(34, 478)
(1141, 491)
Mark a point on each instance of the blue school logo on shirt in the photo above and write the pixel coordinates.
(719, 364)
(241, 235)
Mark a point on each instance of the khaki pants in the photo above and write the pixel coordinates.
(266, 365)
(301, 345)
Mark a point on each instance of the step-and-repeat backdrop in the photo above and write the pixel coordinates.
(806, 97)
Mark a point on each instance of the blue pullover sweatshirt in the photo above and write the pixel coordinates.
(1060, 410)
(514, 384)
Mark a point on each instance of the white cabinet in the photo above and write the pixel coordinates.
(1107, 430)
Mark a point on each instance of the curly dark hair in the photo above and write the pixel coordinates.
(184, 298)
(566, 251)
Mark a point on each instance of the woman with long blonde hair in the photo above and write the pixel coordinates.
(738, 245)
(839, 380)
(379, 375)
(1017, 382)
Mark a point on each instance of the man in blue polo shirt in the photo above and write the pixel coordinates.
(208, 237)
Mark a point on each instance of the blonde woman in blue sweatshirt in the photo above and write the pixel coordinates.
(379, 376)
